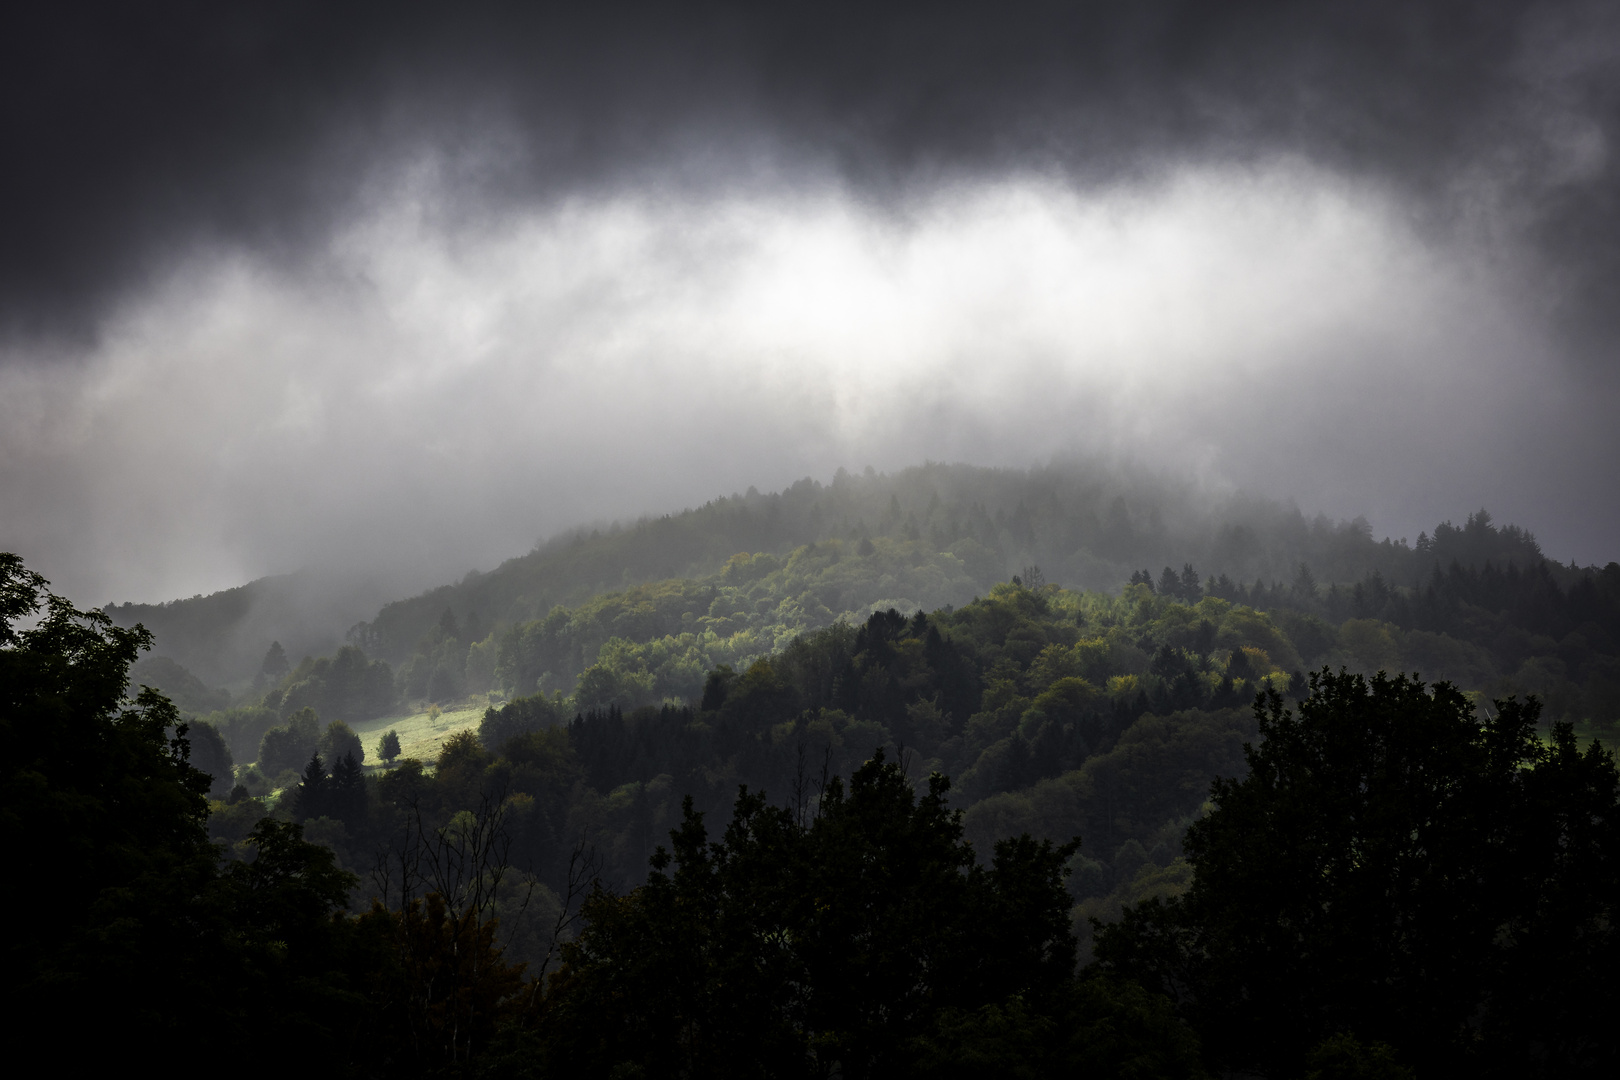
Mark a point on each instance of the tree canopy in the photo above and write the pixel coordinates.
(129, 915)
(1397, 867)
(1383, 879)
(860, 938)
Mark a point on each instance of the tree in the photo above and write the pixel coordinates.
(101, 802)
(388, 746)
(210, 755)
(314, 795)
(347, 793)
(182, 962)
(180, 686)
(98, 799)
(1304, 587)
(1190, 588)
(795, 945)
(454, 990)
(517, 717)
(345, 686)
(339, 741)
(1396, 869)
(274, 667)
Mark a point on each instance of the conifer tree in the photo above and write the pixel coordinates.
(313, 798)
(347, 790)
(274, 667)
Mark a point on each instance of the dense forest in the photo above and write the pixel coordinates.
(1348, 877)
(1476, 604)
(1089, 525)
(936, 813)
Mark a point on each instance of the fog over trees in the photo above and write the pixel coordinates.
(811, 540)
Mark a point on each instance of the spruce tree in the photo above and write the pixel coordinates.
(314, 796)
(348, 790)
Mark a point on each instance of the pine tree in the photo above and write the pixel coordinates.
(1190, 589)
(314, 795)
(274, 668)
(347, 798)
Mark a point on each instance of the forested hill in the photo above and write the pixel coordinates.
(1086, 525)
(933, 819)
(221, 638)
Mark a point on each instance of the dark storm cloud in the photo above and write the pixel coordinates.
(403, 287)
(135, 133)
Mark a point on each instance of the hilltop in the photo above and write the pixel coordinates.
(1086, 525)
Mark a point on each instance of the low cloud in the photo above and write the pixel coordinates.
(433, 389)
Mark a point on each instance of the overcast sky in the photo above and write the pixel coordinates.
(411, 286)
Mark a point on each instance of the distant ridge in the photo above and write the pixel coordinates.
(1085, 524)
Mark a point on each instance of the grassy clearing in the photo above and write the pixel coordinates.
(420, 733)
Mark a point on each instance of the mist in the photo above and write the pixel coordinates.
(419, 351)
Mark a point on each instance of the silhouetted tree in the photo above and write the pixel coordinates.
(210, 754)
(1396, 868)
(792, 947)
(105, 808)
(347, 791)
(314, 795)
(273, 668)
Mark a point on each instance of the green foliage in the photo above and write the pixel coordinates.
(243, 728)
(388, 746)
(210, 755)
(1343, 1057)
(516, 718)
(274, 667)
(795, 946)
(95, 791)
(1102, 1028)
(1087, 525)
(452, 992)
(437, 671)
(657, 641)
(1396, 868)
(101, 802)
(177, 684)
(339, 741)
(289, 746)
(313, 797)
(867, 926)
(344, 686)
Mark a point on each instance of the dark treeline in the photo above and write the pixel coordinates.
(1110, 698)
(1056, 713)
(1139, 868)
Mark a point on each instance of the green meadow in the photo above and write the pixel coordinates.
(421, 733)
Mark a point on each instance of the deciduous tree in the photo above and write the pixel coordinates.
(1398, 868)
